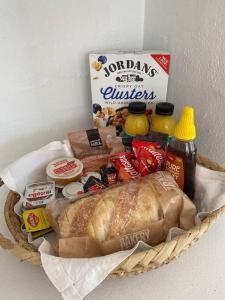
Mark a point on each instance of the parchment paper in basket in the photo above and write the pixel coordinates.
(31, 167)
(75, 278)
(210, 189)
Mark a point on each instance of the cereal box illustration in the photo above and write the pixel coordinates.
(119, 77)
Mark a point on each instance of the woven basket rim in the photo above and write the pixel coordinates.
(135, 264)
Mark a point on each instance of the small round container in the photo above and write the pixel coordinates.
(86, 175)
(163, 120)
(64, 170)
(73, 190)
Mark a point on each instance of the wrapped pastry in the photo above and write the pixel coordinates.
(85, 143)
(116, 218)
(91, 147)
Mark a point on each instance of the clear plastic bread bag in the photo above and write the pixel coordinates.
(117, 218)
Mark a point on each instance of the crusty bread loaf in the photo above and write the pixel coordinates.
(125, 209)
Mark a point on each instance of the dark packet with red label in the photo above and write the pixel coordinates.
(109, 175)
(124, 164)
(150, 156)
(94, 184)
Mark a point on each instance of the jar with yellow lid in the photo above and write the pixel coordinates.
(163, 120)
(136, 121)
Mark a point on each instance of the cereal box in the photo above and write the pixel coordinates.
(118, 78)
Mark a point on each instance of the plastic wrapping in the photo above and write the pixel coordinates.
(95, 162)
(115, 144)
(118, 217)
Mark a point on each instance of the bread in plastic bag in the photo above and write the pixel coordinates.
(117, 218)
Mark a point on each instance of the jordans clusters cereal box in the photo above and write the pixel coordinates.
(119, 77)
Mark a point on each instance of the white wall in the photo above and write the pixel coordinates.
(194, 32)
(44, 83)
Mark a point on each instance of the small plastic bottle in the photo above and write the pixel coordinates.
(163, 120)
(136, 121)
(182, 153)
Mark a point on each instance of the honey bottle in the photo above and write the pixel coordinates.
(182, 153)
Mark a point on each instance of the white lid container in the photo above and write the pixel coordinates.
(73, 190)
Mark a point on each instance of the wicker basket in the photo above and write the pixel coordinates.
(136, 263)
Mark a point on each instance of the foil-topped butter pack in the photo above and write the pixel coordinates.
(120, 77)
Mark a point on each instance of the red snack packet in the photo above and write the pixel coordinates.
(150, 156)
(124, 165)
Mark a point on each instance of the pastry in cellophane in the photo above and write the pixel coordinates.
(117, 218)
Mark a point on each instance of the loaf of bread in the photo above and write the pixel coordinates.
(153, 202)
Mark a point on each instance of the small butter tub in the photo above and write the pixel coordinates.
(73, 190)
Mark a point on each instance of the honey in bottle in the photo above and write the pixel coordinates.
(182, 153)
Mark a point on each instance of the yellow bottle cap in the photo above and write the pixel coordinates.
(185, 129)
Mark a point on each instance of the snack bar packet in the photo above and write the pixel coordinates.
(150, 156)
(91, 142)
(124, 164)
(117, 218)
